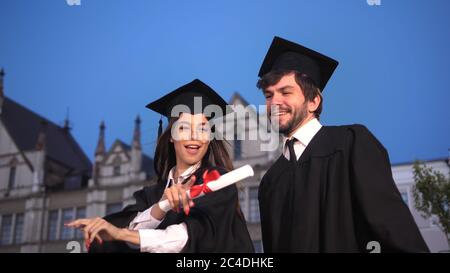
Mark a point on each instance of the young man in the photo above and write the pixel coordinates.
(332, 188)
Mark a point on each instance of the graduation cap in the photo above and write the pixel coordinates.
(284, 55)
(189, 97)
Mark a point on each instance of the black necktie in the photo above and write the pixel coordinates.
(292, 156)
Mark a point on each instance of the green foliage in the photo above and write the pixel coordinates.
(432, 195)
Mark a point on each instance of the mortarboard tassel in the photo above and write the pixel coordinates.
(160, 127)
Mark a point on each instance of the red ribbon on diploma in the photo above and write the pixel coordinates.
(207, 177)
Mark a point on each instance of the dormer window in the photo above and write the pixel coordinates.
(116, 166)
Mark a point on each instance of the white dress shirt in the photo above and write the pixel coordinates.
(169, 240)
(303, 135)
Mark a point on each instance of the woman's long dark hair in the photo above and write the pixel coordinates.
(164, 160)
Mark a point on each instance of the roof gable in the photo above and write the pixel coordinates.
(24, 126)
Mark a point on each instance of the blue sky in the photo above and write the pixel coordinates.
(106, 59)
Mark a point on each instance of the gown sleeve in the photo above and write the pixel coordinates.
(144, 199)
(377, 197)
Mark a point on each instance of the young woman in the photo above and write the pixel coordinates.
(185, 156)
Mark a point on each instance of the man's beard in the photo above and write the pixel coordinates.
(296, 120)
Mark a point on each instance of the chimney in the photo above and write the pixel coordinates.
(136, 152)
(137, 134)
(67, 127)
(39, 159)
(99, 155)
(40, 143)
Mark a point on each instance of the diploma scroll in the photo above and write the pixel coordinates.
(222, 182)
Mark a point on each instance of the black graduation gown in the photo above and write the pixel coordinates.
(342, 197)
(215, 223)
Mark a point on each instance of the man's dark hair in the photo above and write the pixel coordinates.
(307, 85)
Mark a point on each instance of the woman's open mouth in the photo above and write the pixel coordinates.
(192, 149)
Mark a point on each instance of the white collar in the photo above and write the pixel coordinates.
(184, 175)
(306, 132)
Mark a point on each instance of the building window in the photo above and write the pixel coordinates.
(81, 213)
(6, 230)
(237, 149)
(117, 170)
(67, 216)
(258, 246)
(113, 208)
(12, 178)
(18, 229)
(116, 166)
(253, 205)
(52, 225)
(56, 220)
